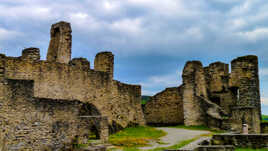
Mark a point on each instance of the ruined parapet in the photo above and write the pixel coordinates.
(31, 54)
(104, 61)
(81, 63)
(244, 82)
(217, 77)
(194, 85)
(60, 43)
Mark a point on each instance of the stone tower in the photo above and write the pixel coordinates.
(194, 87)
(244, 82)
(60, 43)
(104, 61)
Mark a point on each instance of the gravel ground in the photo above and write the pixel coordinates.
(174, 136)
(195, 143)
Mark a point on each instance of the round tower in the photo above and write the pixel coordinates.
(244, 82)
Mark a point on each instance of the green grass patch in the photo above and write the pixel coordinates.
(135, 136)
(265, 118)
(248, 149)
(201, 127)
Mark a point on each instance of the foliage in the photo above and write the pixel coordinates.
(264, 118)
(145, 99)
(135, 136)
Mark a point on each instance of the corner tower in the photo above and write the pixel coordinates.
(60, 43)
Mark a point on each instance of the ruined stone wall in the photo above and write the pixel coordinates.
(194, 85)
(75, 81)
(56, 92)
(217, 77)
(264, 127)
(165, 108)
(214, 97)
(33, 123)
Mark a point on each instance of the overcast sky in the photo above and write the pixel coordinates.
(151, 39)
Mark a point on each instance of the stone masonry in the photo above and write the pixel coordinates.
(165, 108)
(214, 97)
(50, 104)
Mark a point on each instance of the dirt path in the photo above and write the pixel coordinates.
(174, 136)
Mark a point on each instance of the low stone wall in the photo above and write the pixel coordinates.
(264, 127)
(241, 140)
(216, 148)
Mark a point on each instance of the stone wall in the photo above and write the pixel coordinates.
(217, 77)
(264, 127)
(165, 108)
(241, 140)
(214, 97)
(35, 123)
(63, 96)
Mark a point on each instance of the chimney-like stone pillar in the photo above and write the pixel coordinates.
(60, 43)
(104, 61)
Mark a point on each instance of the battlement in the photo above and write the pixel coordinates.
(58, 90)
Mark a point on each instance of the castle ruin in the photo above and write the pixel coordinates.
(52, 103)
(55, 102)
(211, 96)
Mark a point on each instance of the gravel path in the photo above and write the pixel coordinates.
(194, 144)
(174, 136)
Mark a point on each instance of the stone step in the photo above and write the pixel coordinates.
(216, 148)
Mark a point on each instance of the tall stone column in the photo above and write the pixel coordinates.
(60, 43)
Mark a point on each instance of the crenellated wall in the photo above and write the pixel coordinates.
(56, 92)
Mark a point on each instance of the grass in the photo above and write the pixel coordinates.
(247, 149)
(135, 137)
